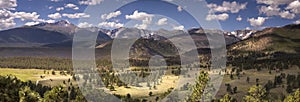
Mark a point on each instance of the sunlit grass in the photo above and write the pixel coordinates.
(30, 74)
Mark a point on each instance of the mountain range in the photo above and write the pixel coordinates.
(63, 31)
(59, 35)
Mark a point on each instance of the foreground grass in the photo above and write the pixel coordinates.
(168, 81)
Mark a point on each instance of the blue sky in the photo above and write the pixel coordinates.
(151, 14)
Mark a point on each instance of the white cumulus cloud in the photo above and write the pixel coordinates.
(8, 4)
(271, 10)
(247, 28)
(141, 16)
(6, 19)
(60, 8)
(84, 25)
(4, 14)
(90, 2)
(76, 15)
(110, 25)
(48, 21)
(274, 2)
(287, 15)
(179, 8)
(31, 23)
(111, 15)
(297, 22)
(257, 22)
(55, 16)
(27, 16)
(50, 7)
(145, 23)
(178, 28)
(55, 0)
(72, 6)
(239, 18)
(162, 21)
(294, 7)
(168, 0)
(222, 17)
(7, 23)
(232, 7)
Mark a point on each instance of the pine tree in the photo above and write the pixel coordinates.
(269, 85)
(235, 90)
(248, 80)
(199, 87)
(228, 89)
(27, 95)
(227, 98)
(256, 94)
(295, 97)
(57, 94)
(150, 93)
(289, 89)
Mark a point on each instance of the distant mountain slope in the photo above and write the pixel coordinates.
(101, 39)
(284, 39)
(58, 34)
(30, 35)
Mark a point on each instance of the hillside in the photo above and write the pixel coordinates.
(270, 48)
(283, 39)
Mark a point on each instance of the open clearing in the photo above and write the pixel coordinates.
(169, 81)
(35, 75)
